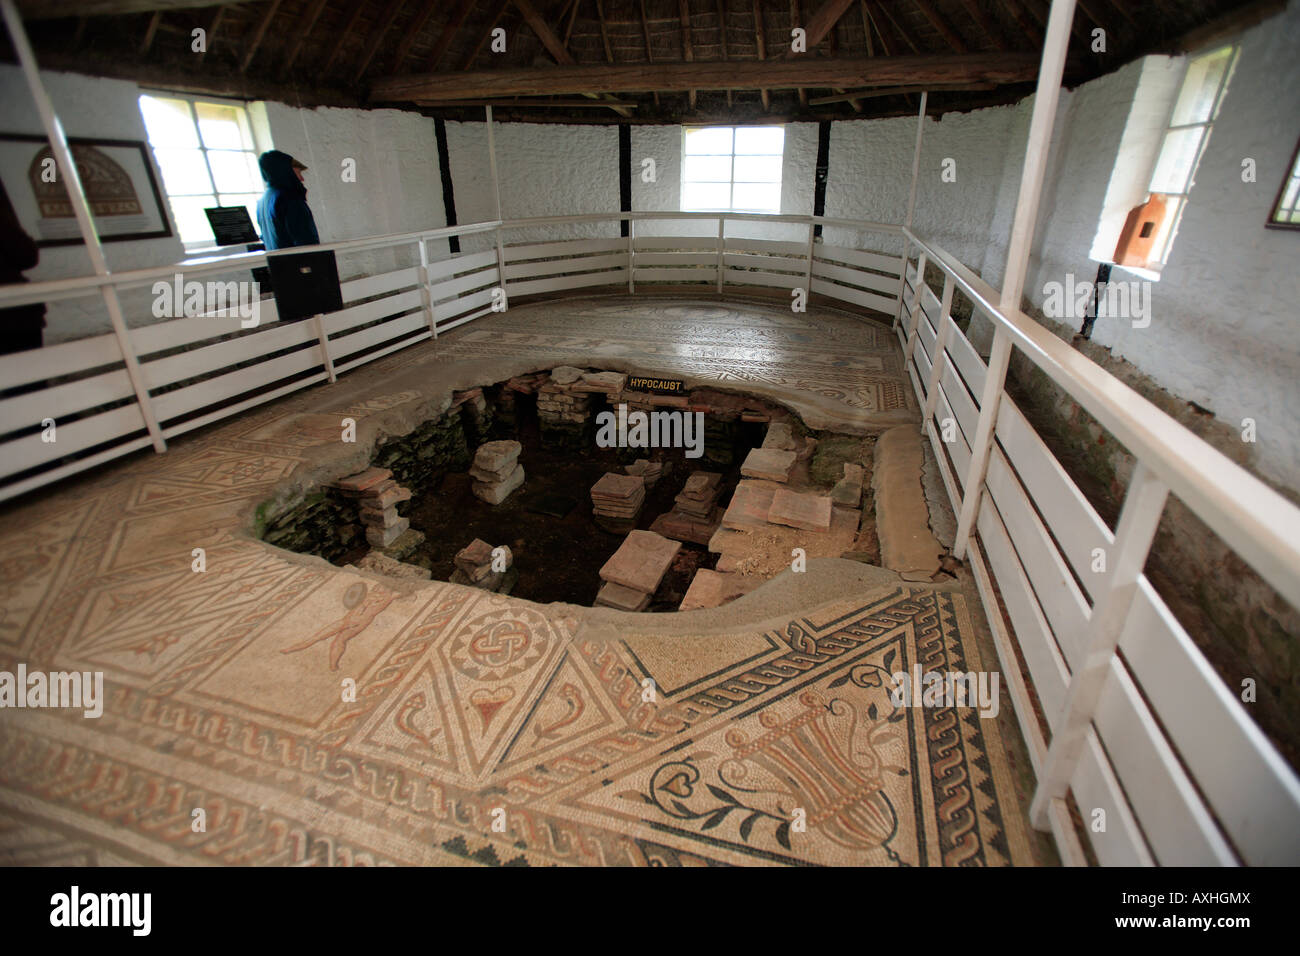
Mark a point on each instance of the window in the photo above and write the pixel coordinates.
(734, 168)
(1193, 116)
(207, 156)
(1286, 213)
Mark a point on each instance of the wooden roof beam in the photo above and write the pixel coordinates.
(940, 23)
(851, 95)
(820, 73)
(150, 32)
(258, 34)
(487, 32)
(821, 23)
(344, 35)
(52, 9)
(688, 50)
(761, 44)
(984, 23)
(449, 33)
(411, 32)
(308, 22)
(384, 24)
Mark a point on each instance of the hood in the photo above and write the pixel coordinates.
(277, 171)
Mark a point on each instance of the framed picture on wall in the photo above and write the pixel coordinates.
(116, 174)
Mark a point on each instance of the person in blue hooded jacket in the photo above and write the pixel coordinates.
(282, 213)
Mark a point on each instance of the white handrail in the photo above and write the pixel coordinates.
(1260, 524)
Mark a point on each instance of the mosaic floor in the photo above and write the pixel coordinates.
(317, 715)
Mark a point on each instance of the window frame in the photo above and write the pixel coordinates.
(731, 182)
(1179, 200)
(1292, 172)
(191, 100)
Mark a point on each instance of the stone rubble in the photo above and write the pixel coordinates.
(496, 471)
(474, 568)
(378, 496)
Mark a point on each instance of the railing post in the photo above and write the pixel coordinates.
(914, 314)
(426, 291)
(1138, 521)
(631, 255)
(807, 278)
(940, 353)
(318, 322)
(902, 281)
(990, 398)
(722, 265)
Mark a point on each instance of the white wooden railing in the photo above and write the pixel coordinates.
(1134, 721)
(200, 369)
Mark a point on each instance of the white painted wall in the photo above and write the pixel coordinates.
(1224, 314)
(96, 107)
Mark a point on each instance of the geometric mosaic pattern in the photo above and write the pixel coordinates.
(325, 717)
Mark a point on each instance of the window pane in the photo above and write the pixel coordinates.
(758, 169)
(703, 196)
(1177, 158)
(760, 139)
(1200, 86)
(222, 127)
(1168, 229)
(234, 172)
(184, 172)
(708, 169)
(191, 221)
(757, 197)
(712, 141)
(168, 122)
(1289, 198)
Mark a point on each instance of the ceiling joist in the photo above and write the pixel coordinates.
(682, 77)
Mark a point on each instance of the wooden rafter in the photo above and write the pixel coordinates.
(149, 33)
(649, 52)
(761, 44)
(604, 34)
(381, 27)
(984, 23)
(940, 23)
(487, 32)
(258, 34)
(411, 32)
(688, 48)
(898, 26)
(51, 9)
(449, 33)
(309, 21)
(722, 36)
(821, 24)
(819, 73)
(897, 91)
(1028, 27)
(556, 48)
(795, 19)
(573, 16)
(212, 31)
(866, 28)
(344, 35)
